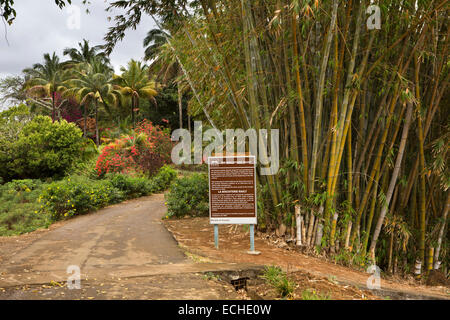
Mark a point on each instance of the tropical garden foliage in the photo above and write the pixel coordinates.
(77, 140)
(362, 113)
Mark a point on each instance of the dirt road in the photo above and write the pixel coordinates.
(122, 251)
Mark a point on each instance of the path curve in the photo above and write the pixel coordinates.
(128, 234)
(123, 241)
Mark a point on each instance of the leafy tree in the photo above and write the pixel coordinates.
(154, 39)
(8, 12)
(44, 80)
(164, 64)
(135, 84)
(39, 148)
(12, 90)
(91, 83)
(167, 112)
(86, 53)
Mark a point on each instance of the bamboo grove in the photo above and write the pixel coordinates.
(363, 114)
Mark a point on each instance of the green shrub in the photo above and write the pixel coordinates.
(77, 195)
(189, 196)
(137, 186)
(23, 185)
(19, 208)
(163, 179)
(132, 187)
(41, 148)
(278, 279)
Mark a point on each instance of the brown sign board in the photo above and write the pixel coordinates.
(232, 189)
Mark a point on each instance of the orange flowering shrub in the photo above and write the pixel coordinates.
(144, 152)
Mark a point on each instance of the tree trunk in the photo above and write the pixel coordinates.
(180, 105)
(393, 182)
(85, 121)
(53, 106)
(422, 189)
(441, 232)
(97, 138)
(132, 110)
(301, 108)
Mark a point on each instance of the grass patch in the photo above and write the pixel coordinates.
(311, 294)
(279, 280)
(19, 207)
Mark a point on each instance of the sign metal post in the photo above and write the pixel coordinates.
(252, 237)
(216, 236)
(232, 193)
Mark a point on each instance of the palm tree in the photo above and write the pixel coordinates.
(91, 83)
(135, 84)
(86, 53)
(167, 66)
(153, 41)
(45, 79)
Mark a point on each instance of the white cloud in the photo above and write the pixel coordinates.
(41, 27)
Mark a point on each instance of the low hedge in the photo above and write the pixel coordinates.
(189, 196)
(78, 195)
(30, 204)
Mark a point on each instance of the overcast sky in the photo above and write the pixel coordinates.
(41, 27)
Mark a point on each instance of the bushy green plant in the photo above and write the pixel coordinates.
(131, 186)
(19, 208)
(85, 168)
(279, 280)
(188, 196)
(162, 180)
(77, 195)
(349, 258)
(41, 149)
(136, 186)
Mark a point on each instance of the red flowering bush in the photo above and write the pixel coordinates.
(144, 152)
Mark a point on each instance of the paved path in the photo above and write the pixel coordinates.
(124, 241)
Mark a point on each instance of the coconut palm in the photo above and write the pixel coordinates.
(165, 65)
(153, 41)
(135, 84)
(85, 53)
(44, 80)
(90, 83)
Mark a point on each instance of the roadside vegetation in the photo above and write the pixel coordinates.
(30, 204)
(188, 196)
(279, 280)
(362, 115)
(77, 139)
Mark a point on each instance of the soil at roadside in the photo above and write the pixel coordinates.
(197, 236)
